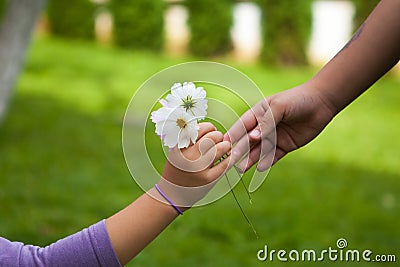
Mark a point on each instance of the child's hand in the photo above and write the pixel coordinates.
(191, 172)
(196, 165)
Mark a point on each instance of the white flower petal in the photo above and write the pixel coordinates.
(184, 139)
(179, 93)
(171, 135)
(193, 131)
(160, 114)
(190, 87)
(200, 93)
(200, 110)
(170, 130)
(189, 91)
(176, 121)
(176, 86)
(163, 102)
(170, 140)
(173, 101)
(185, 89)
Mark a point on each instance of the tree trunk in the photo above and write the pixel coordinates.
(15, 33)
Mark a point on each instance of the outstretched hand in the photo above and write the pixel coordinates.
(278, 125)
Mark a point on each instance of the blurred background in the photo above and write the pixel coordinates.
(69, 68)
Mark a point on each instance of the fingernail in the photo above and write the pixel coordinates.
(256, 133)
(262, 168)
(226, 137)
(241, 168)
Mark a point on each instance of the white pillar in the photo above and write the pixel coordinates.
(246, 31)
(332, 28)
(103, 27)
(176, 29)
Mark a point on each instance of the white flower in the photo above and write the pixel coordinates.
(175, 126)
(176, 120)
(160, 114)
(188, 97)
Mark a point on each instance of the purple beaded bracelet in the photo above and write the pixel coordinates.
(169, 200)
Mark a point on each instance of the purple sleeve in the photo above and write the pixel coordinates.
(89, 247)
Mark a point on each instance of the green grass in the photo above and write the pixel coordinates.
(62, 166)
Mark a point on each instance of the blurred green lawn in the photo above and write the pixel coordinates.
(62, 167)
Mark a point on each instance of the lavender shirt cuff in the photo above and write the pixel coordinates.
(89, 247)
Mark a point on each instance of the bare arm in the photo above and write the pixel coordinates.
(298, 115)
(134, 227)
(373, 50)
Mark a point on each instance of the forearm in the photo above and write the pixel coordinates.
(373, 50)
(134, 227)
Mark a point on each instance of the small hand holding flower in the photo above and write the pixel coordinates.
(196, 165)
(191, 170)
(190, 173)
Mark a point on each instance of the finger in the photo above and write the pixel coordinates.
(246, 143)
(264, 135)
(266, 162)
(255, 135)
(266, 125)
(241, 148)
(248, 121)
(259, 122)
(252, 158)
(209, 140)
(218, 170)
(205, 127)
(256, 154)
(221, 149)
(245, 123)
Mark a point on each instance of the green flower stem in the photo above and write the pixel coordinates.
(240, 207)
(244, 186)
(237, 201)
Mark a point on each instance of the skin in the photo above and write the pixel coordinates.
(299, 114)
(133, 228)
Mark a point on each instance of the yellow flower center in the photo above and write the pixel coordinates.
(181, 123)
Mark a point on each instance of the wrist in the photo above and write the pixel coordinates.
(324, 95)
(156, 196)
(178, 196)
